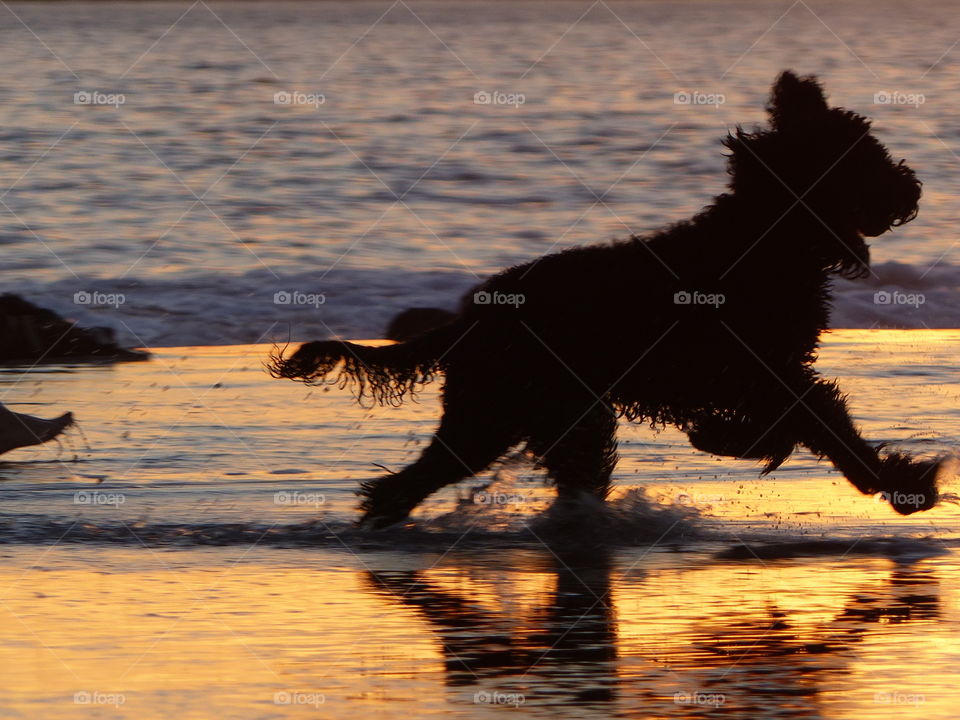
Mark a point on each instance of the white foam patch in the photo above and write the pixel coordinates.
(255, 307)
(898, 295)
(947, 472)
(514, 503)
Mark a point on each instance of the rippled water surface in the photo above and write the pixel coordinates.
(192, 552)
(200, 197)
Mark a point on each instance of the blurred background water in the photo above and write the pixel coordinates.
(230, 151)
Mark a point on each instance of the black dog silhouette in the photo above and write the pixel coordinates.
(710, 325)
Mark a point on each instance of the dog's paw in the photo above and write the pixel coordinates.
(913, 485)
(381, 521)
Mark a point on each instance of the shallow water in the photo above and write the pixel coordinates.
(199, 198)
(193, 553)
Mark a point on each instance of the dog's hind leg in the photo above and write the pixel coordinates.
(469, 439)
(579, 453)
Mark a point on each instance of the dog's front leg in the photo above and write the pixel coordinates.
(825, 427)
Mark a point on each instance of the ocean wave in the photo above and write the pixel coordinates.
(359, 302)
(258, 306)
(900, 295)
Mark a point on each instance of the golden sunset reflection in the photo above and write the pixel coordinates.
(626, 634)
(227, 574)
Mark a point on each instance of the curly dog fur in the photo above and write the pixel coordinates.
(711, 325)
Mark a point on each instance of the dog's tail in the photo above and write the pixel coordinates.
(386, 374)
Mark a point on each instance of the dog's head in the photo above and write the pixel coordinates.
(825, 162)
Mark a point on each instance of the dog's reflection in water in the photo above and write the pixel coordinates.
(566, 651)
(780, 659)
(567, 648)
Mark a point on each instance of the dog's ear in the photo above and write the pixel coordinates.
(795, 101)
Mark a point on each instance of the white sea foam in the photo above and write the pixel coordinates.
(899, 295)
(225, 309)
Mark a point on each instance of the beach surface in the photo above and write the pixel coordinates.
(190, 551)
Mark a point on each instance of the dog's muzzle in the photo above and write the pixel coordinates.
(896, 206)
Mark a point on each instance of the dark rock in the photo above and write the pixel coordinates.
(29, 333)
